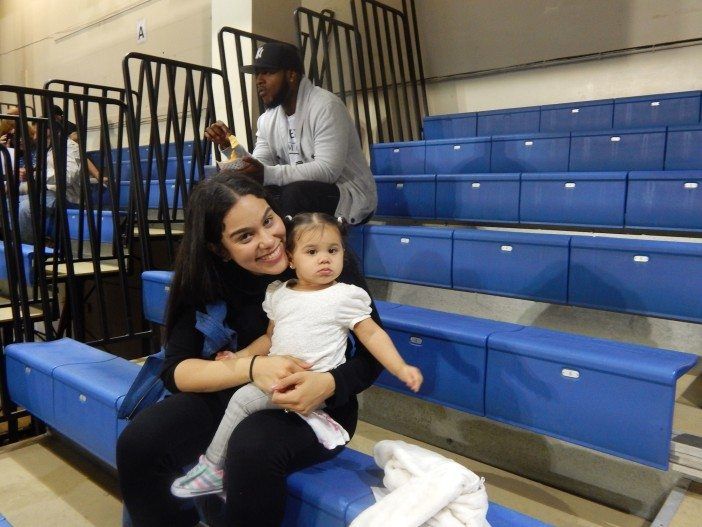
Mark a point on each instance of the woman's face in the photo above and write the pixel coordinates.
(254, 236)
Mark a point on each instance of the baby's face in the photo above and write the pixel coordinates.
(318, 258)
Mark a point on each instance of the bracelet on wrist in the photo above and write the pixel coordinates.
(251, 367)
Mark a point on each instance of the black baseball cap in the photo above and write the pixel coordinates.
(275, 56)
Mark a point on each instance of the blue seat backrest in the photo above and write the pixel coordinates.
(666, 109)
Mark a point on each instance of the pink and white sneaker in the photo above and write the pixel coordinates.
(204, 478)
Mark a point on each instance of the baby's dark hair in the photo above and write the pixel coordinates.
(307, 221)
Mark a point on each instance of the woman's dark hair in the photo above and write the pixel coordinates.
(307, 221)
(197, 279)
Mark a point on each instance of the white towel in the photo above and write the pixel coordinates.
(425, 489)
(330, 433)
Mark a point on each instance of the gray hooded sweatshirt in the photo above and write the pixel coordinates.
(329, 149)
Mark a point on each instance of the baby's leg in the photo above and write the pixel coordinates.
(245, 401)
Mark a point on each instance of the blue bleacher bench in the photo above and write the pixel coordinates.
(577, 116)
(614, 150)
(451, 351)
(646, 277)
(509, 121)
(670, 199)
(154, 193)
(517, 264)
(609, 396)
(449, 126)
(333, 493)
(592, 199)
(665, 109)
(354, 240)
(458, 156)
(77, 389)
(398, 158)
(411, 196)
(684, 148)
(105, 230)
(530, 153)
(420, 255)
(478, 197)
(27, 259)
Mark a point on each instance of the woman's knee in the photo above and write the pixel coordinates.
(134, 446)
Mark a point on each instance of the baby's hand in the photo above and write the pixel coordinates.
(411, 376)
(225, 355)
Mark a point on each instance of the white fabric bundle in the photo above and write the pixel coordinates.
(425, 489)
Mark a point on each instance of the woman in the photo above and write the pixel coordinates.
(233, 247)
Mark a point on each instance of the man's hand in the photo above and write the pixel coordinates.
(218, 133)
(253, 168)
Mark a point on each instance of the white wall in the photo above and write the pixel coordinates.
(85, 40)
(668, 70)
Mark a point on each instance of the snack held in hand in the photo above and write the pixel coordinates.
(236, 156)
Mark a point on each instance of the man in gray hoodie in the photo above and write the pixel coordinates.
(307, 149)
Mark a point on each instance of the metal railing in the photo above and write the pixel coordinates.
(231, 64)
(332, 53)
(78, 238)
(184, 93)
(395, 69)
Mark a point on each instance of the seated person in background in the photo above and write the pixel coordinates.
(73, 190)
(307, 149)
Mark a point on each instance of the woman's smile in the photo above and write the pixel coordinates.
(272, 256)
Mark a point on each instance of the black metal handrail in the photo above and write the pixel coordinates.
(395, 68)
(324, 39)
(255, 40)
(91, 257)
(184, 91)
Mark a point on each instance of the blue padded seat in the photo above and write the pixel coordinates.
(522, 265)
(657, 110)
(609, 396)
(410, 196)
(573, 198)
(449, 349)
(156, 286)
(354, 241)
(105, 230)
(27, 260)
(418, 255)
(509, 121)
(450, 126)
(577, 116)
(684, 148)
(333, 493)
(530, 153)
(458, 156)
(669, 199)
(85, 403)
(30, 368)
(4, 522)
(478, 197)
(398, 158)
(642, 149)
(656, 278)
(154, 193)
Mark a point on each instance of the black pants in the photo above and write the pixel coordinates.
(264, 448)
(306, 196)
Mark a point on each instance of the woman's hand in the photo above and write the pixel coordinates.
(269, 371)
(303, 392)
